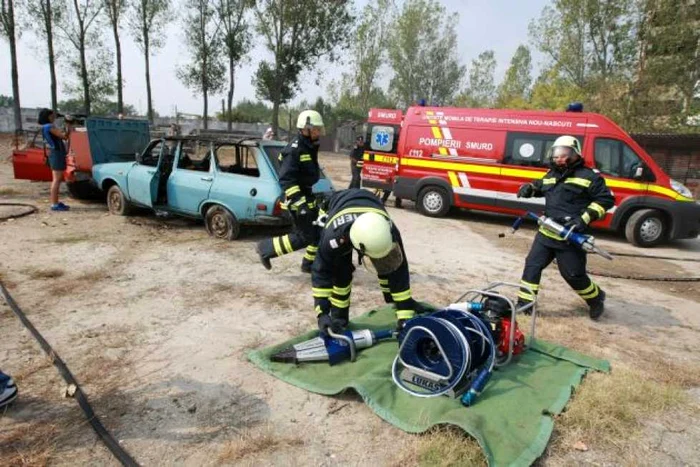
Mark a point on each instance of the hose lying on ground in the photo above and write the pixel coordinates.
(101, 431)
(32, 209)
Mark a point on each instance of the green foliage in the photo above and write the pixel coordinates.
(6, 101)
(423, 54)
(99, 107)
(248, 111)
(514, 91)
(481, 91)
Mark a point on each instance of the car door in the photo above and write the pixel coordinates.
(244, 184)
(192, 177)
(30, 163)
(142, 179)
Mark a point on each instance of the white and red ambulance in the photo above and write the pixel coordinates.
(444, 157)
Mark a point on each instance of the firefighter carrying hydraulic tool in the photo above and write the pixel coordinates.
(299, 171)
(575, 196)
(357, 221)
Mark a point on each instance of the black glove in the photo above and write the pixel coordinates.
(526, 191)
(400, 325)
(577, 223)
(325, 321)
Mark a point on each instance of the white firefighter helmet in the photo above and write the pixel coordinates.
(568, 142)
(370, 233)
(310, 118)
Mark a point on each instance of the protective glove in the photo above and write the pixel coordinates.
(526, 191)
(577, 223)
(400, 324)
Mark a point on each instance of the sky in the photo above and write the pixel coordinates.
(500, 25)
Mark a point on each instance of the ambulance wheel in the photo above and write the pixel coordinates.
(117, 202)
(646, 228)
(433, 201)
(220, 223)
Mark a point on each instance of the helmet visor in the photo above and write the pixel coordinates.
(388, 263)
(562, 152)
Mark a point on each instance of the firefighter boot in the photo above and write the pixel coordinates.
(521, 303)
(597, 306)
(264, 259)
(306, 266)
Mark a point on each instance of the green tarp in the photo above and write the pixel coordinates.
(512, 419)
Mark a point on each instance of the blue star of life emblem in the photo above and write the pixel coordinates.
(382, 138)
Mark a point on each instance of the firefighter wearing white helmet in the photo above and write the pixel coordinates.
(574, 196)
(357, 221)
(299, 171)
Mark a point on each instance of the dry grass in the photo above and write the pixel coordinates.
(69, 239)
(28, 444)
(251, 443)
(51, 273)
(253, 343)
(608, 410)
(445, 446)
(7, 191)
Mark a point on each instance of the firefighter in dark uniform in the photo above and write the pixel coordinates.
(299, 171)
(357, 221)
(356, 162)
(575, 196)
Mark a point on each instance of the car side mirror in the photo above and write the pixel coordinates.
(639, 173)
(138, 157)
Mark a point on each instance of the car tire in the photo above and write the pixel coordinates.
(433, 201)
(83, 190)
(646, 228)
(117, 202)
(221, 223)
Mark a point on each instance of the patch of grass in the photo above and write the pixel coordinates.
(51, 273)
(69, 239)
(251, 443)
(28, 444)
(444, 446)
(253, 343)
(608, 410)
(7, 191)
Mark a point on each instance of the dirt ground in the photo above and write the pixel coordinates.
(154, 317)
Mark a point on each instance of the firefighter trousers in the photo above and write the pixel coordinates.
(305, 234)
(571, 261)
(356, 172)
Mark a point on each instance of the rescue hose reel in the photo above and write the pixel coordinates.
(453, 351)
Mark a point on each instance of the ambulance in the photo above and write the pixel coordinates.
(441, 157)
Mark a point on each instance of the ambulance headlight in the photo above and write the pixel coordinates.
(681, 189)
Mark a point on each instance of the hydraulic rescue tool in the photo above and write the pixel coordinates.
(453, 351)
(586, 242)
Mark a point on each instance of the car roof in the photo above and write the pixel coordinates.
(254, 141)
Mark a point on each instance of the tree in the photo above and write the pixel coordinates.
(77, 28)
(513, 91)
(147, 16)
(205, 71)
(297, 33)
(423, 54)
(114, 9)
(7, 29)
(249, 112)
(481, 91)
(50, 13)
(236, 39)
(6, 101)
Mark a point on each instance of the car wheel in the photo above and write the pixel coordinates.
(221, 223)
(433, 201)
(117, 202)
(646, 228)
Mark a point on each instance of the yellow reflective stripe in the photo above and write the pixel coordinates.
(385, 289)
(670, 193)
(312, 204)
(597, 208)
(310, 257)
(383, 281)
(586, 217)
(587, 290)
(549, 181)
(593, 294)
(287, 244)
(436, 132)
(301, 201)
(453, 178)
(459, 167)
(318, 310)
(549, 234)
(405, 314)
(340, 303)
(526, 296)
(386, 159)
(305, 158)
(342, 290)
(356, 211)
(292, 190)
(401, 296)
(365, 156)
(312, 249)
(443, 151)
(530, 284)
(321, 293)
(578, 181)
(278, 246)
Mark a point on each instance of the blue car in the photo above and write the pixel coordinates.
(225, 183)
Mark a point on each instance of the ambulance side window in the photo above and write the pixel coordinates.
(383, 138)
(528, 149)
(613, 157)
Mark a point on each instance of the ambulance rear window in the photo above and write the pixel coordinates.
(382, 138)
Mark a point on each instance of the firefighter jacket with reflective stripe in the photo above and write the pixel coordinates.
(576, 191)
(299, 169)
(331, 275)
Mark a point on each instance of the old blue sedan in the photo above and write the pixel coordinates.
(226, 183)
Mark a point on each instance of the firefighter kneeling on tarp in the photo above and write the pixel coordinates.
(357, 221)
(575, 196)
